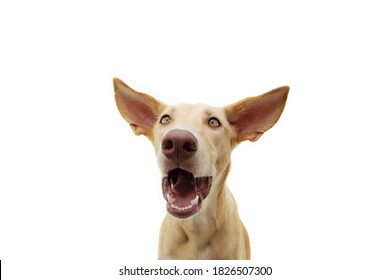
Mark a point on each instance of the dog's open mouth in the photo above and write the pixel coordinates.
(184, 192)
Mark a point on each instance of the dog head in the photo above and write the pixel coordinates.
(193, 142)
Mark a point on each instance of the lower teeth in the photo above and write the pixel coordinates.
(181, 208)
(195, 200)
(170, 199)
(192, 203)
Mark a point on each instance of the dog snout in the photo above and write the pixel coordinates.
(179, 144)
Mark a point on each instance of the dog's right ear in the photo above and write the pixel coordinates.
(140, 110)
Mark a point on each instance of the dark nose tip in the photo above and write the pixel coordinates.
(179, 144)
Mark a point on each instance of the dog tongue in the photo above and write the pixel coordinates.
(182, 182)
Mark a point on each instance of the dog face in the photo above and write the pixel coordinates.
(193, 142)
(189, 140)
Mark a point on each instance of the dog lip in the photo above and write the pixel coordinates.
(184, 192)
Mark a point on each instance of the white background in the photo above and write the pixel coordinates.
(80, 195)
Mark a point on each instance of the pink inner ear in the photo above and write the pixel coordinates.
(143, 115)
(138, 109)
(253, 116)
(256, 118)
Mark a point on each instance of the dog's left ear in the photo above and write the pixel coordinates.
(253, 116)
(140, 110)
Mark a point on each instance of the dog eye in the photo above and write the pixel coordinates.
(214, 122)
(165, 119)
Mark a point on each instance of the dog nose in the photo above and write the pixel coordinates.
(179, 144)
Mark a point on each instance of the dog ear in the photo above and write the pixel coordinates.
(253, 116)
(138, 109)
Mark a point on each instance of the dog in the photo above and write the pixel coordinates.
(193, 143)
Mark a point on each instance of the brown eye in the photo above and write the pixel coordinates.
(214, 122)
(165, 119)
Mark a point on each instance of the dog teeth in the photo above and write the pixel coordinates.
(181, 208)
(195, 200)
(171, 182)
(170, 199)
(192, 203)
